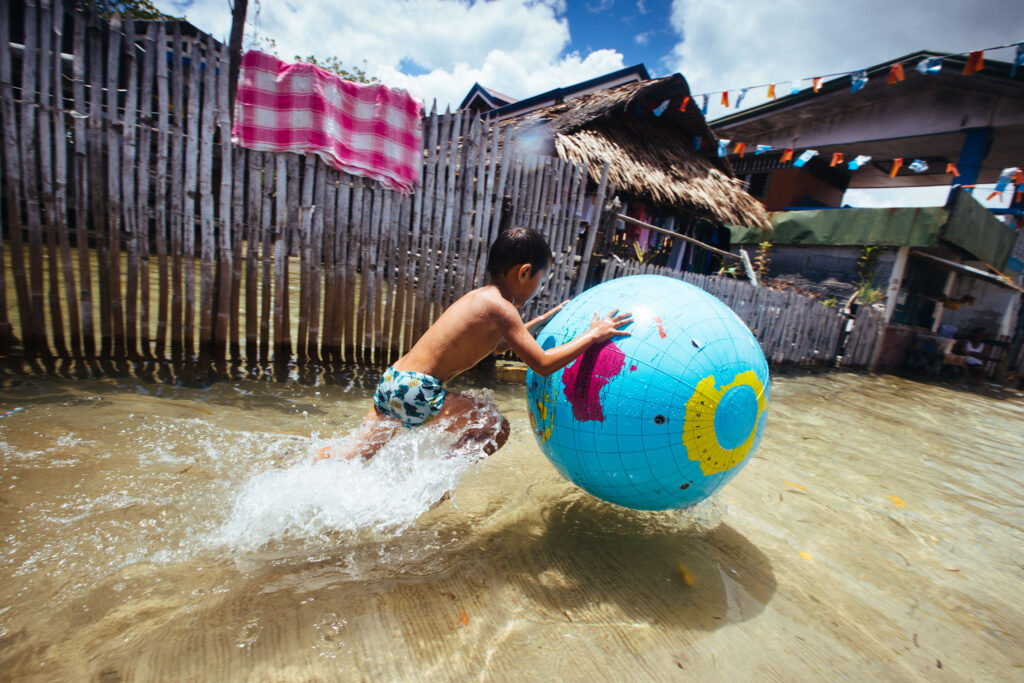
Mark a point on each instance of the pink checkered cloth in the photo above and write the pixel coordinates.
(367, 130)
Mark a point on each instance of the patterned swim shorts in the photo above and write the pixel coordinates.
(410, 397)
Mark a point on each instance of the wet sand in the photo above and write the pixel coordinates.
(166, 533)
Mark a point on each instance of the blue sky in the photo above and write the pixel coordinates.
(437, 49)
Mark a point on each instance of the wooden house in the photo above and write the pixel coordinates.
(663, 163)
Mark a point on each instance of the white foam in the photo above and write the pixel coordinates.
(312, 499)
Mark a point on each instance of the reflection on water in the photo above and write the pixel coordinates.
(157, 532)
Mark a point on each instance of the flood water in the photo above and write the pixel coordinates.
(153, 532)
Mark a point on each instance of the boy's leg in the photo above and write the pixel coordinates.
(375, 431)
(466, 416)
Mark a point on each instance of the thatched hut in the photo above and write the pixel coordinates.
(668, 159)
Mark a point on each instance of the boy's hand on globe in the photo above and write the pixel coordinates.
(610, 326)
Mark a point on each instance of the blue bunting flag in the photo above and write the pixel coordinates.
(805, 157)
(698, 142)
(761, 149)
(929, 66)
(704, 106)
(858, 162)
(739, 98)
(918, 166)
(723, 147)
(858, 79)
(1005, 178)
(661, 108)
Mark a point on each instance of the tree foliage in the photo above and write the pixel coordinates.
(144, 10)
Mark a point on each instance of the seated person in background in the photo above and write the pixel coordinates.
(975, 352)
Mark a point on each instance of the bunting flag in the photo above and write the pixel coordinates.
(895, 74)
(1018, 177)
(807, 155)
(698, 142)
(771, 88)
(723, 147)
(1018, 60)
(661, 108)
(704, 106)
(975, 63)
(858, 162)
(1005, 178)
(725, 98)
(817, 83)
(896, 163)
(686, 101)
(995, 193)
(761, 149)
(929, 66)
(794, 87)
(787, 155)
(739, 98)
(740, 148)
(858, 79)
(837, 158)
(951, 168)
(918, 166)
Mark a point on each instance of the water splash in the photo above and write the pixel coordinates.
(316, 499)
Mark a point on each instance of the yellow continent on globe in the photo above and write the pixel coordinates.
(699, 433)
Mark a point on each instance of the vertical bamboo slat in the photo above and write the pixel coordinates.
(305, 219)
(12, 184)
(35, 340)
(61, 175)
(114, 171)
(343, 297)
(225, 305)
(145, 210)
(47, 111)
(316, 261)
(193, 138)
(128, 203)
(270, 165)
(208, 245)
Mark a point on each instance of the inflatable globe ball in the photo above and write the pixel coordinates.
(659, 419)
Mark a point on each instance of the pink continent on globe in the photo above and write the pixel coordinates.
(587, 375)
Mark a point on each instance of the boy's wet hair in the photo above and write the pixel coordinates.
(516, 246)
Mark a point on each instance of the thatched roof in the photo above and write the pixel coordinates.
(650, 156)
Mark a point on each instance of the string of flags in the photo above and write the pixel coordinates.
(927, 66)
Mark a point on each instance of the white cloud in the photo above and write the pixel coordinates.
(730, 44)
(513, 46)
(643, 38)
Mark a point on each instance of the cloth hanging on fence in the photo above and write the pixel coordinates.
(368, 130)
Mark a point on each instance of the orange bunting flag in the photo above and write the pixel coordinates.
(686, 101)
(771, 91)
(817, 83)
(725, 98)
(997, 193)
(895, 74)
(837, 158)
(1020, 197)
(896, 163)
(740, 148)
(951, 168)
(787, 155)
(975, 63)
(1018, 178)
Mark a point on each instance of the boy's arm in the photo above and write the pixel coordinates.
(546, 362)
(503, 346)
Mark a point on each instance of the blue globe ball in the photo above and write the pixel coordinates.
(659, 419)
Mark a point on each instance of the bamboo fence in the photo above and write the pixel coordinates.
(791, 328)
(134, 230)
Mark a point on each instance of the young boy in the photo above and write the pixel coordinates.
(411, 392)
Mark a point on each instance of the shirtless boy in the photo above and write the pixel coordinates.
(411, 392)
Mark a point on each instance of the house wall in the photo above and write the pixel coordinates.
(790, 186)
(995, 308)
(820, 263)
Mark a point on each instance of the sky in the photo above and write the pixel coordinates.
(437, 49)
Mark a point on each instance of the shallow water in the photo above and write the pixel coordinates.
(153, 532)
